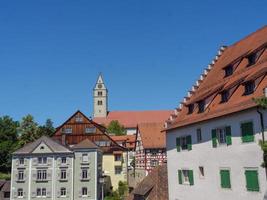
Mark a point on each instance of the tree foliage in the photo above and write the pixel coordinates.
(262, 102)
(47, 129)
(116, 128)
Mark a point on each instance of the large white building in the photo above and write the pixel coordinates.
(213, 149)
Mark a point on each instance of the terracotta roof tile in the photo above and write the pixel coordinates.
(130, 119)
(236, 53)
(128, 139)
(151, 135)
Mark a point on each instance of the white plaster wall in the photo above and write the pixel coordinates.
(130, 131)
(236, 157)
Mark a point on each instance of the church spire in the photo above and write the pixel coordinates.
(100, 98)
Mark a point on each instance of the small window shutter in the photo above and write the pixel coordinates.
(189, 142)
(180, 176)
(178, 145)
(247, 132)
(214, 138)
(191, 177)
(252, 180)
(225, 179)
(228, 135)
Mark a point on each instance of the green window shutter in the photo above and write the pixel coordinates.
(178, 145)
(225, 179)
(180, 177)
(214, 138)
(189, 142)
(252, 181)
(191, 177)
(228, 135)
(247, 132)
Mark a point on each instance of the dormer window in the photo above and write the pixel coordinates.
(190, 108)
(249, 87)
(228, 70)
(224, 96)
(201, 106)
(252, 59)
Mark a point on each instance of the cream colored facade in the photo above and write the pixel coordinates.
(112, 168)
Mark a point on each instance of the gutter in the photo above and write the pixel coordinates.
(262, 123)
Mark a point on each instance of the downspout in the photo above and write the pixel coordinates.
(262, 135)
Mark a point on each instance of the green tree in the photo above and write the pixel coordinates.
(122, 189)
(8, 141)
(27, 130)
(47, 129)
(116, 128)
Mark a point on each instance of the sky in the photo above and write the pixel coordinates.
(149, 52)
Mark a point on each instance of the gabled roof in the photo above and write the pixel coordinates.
(130, 119)
(213, 82)
(85, 144)
(154, 186)
(53, 145)
(151, 135)
(129, 139)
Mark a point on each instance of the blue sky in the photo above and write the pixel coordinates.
(150, 52)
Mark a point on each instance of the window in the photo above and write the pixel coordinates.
(221, 135)
(252, 59)
(63, 192)
(85, 158)
(225, 178)
(154, 163)
(201, 106)
(184, 143)
(21, 161)
(41, 175)
(228, 70)
(67, 130)
(79, 119)
(190, 108)
(63, 174)
(99, 103)
(63, 160)
(249, 87)
(6, 194)
(42, 160)
(21, 175)
(90, 130)
(252, 180)
(117, 157)
(118, 169)
(84, 174)
(84, 191)
(20, 192)
(224, 96)
(41, 192)
(99, 93)
(199, 135)
(186, 177)
(247, 132)
(201, 171)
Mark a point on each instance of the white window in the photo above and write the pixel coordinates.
(20, 193)
(42, 160)
(21, 175)
(63, 160)
(185, 176)
(84, 191)
(84, 174)
(183, 143)
(79, 119)
(21, 161)
(62, 192)
(41, 175)
(85, 158)
(221, 135)
(63, 174)
(201, 171)
(90, 130)
(41, 192)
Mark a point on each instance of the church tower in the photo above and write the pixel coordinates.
(100, 98)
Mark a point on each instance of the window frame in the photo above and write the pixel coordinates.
(218, 135)
(20, 192)
(229, 181)
(228, 70)
(63, 174)
(199, 135)
(63, 192)
(116, 171)
(258, 179)
(84, 191)
(201, 106)
(224, 96)
(84, 174)
(249, 87)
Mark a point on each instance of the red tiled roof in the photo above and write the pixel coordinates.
(129, 139)
(235, 54)
(153, 187)
(130, 119)
(151, 135)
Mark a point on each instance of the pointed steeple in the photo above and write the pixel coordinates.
(100, 98)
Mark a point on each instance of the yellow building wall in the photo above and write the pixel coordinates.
(109, 164)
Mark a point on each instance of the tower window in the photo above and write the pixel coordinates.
(228, 70)
(249, 87)
(252, 59)
(190, 108)
(100, 103)
(99, 93)
(224, 96)
(201, 106)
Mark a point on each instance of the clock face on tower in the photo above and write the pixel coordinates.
(99, 86)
